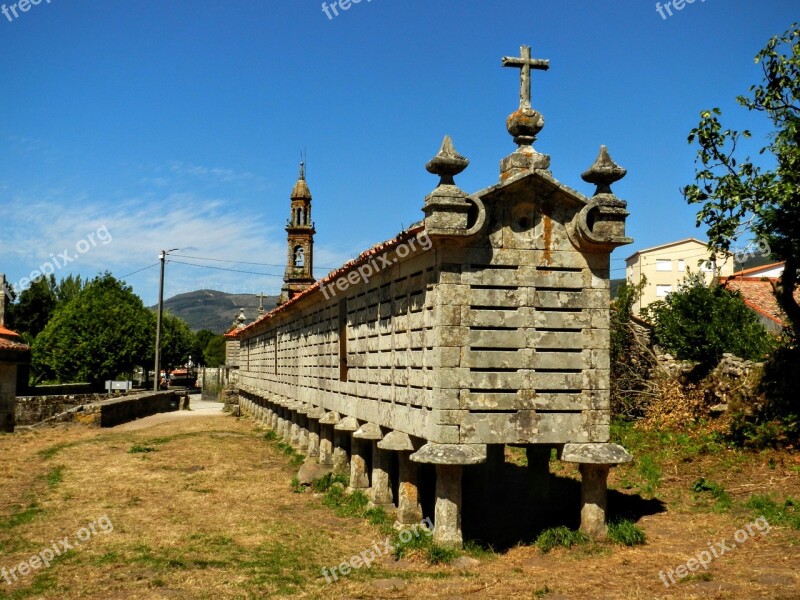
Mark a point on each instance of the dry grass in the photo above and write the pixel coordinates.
(208, 512)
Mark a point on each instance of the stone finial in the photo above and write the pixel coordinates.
(446, 208)
(447, 163)
(525, 123)
(240, 321)
(603, 172)
(300, 190)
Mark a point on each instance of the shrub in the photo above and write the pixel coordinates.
(700, 323)
(626, 533)
(559, 537)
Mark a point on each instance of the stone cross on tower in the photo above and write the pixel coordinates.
(525, 63)
(261, 303)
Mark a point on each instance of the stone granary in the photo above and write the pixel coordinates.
(485, 325)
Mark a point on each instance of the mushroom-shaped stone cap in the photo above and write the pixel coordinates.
(397, 441)
(447, 163)
(450, 454)
(368, 431)
(603, 172)
(595, 454)
(316, 413)
(347, 424)
(330, 418)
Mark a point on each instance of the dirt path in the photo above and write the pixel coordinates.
(197, 408)
(201, 507)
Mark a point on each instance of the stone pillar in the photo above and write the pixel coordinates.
(359, 478)
(539, 479)
(326, 437)
(594, 499)
(381, 482)
(294, 428)
(595, 460)
(313, 416)
(286, 425)
(449, 460)
(302, 424)
(341, 432)
(447, 519)
(409, 509)
(276, 417)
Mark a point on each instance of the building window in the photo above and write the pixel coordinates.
(663, 290)
(681, 265)
(663, 265)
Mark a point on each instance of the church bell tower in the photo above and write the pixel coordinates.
(300, 231)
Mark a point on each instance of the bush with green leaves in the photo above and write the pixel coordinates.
(701, 322)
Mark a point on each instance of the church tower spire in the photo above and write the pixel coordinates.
(300, 231)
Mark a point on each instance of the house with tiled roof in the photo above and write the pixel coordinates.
(756, 287)
(12, 354)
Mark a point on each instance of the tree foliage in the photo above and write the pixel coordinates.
(214, 352)
(740, 197)
(700, 323)
(177, 342)
(103, 332)
(34, 307)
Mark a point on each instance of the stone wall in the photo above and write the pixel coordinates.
(35, 409)
(116, 411)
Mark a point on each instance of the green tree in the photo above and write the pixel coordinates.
(202, 338)
(103, 332)
(69, 287)
(177, 341)
(740, 197)
(700, 323)
(214, 353)
(34, 307)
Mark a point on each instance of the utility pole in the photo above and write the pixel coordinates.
(163, 258)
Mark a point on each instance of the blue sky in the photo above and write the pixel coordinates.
(180, 124)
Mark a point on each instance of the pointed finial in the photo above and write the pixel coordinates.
(447, 163)
(302, 170)
(603, 172)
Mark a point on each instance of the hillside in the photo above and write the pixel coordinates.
(213, 310)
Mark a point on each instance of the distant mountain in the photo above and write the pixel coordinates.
(213, 310)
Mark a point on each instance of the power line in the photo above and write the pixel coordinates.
(238, 262)
(139, 271)
(180, 262)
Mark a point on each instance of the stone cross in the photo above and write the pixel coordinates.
(525, 63)
(261, 303)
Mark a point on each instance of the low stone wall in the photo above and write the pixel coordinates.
(100, 409)
(116, 411)
(35, 409)
(58, 389)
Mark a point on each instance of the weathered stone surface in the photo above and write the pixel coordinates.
(396, 440)
(450, 454)
(599, 454)
(368, 431)
(310, 471)
(330, 418)
(347, 424)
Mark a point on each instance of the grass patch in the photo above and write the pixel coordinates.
(626, 533)
(22, 517)
(54, 476)
(440, 555)
(324, 483)
(50, 452)
(295, 458)
(774, 512)
(141, 449)
(650, 472)
(560, 537)
(722, 500)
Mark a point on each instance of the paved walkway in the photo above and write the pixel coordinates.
(199, 408)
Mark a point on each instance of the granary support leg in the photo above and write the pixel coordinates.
(381, 483)
(539, 476)
(595, 461)
(302, 437)
(325, 444)
(594, 500)
(409, 509)
(447, 519)
(359, 478)
(341, 462)
(313, 437)
(294, 428)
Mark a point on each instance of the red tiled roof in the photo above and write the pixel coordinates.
(747, 272)
(334, 275)
(8, 341)
(757, 294)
